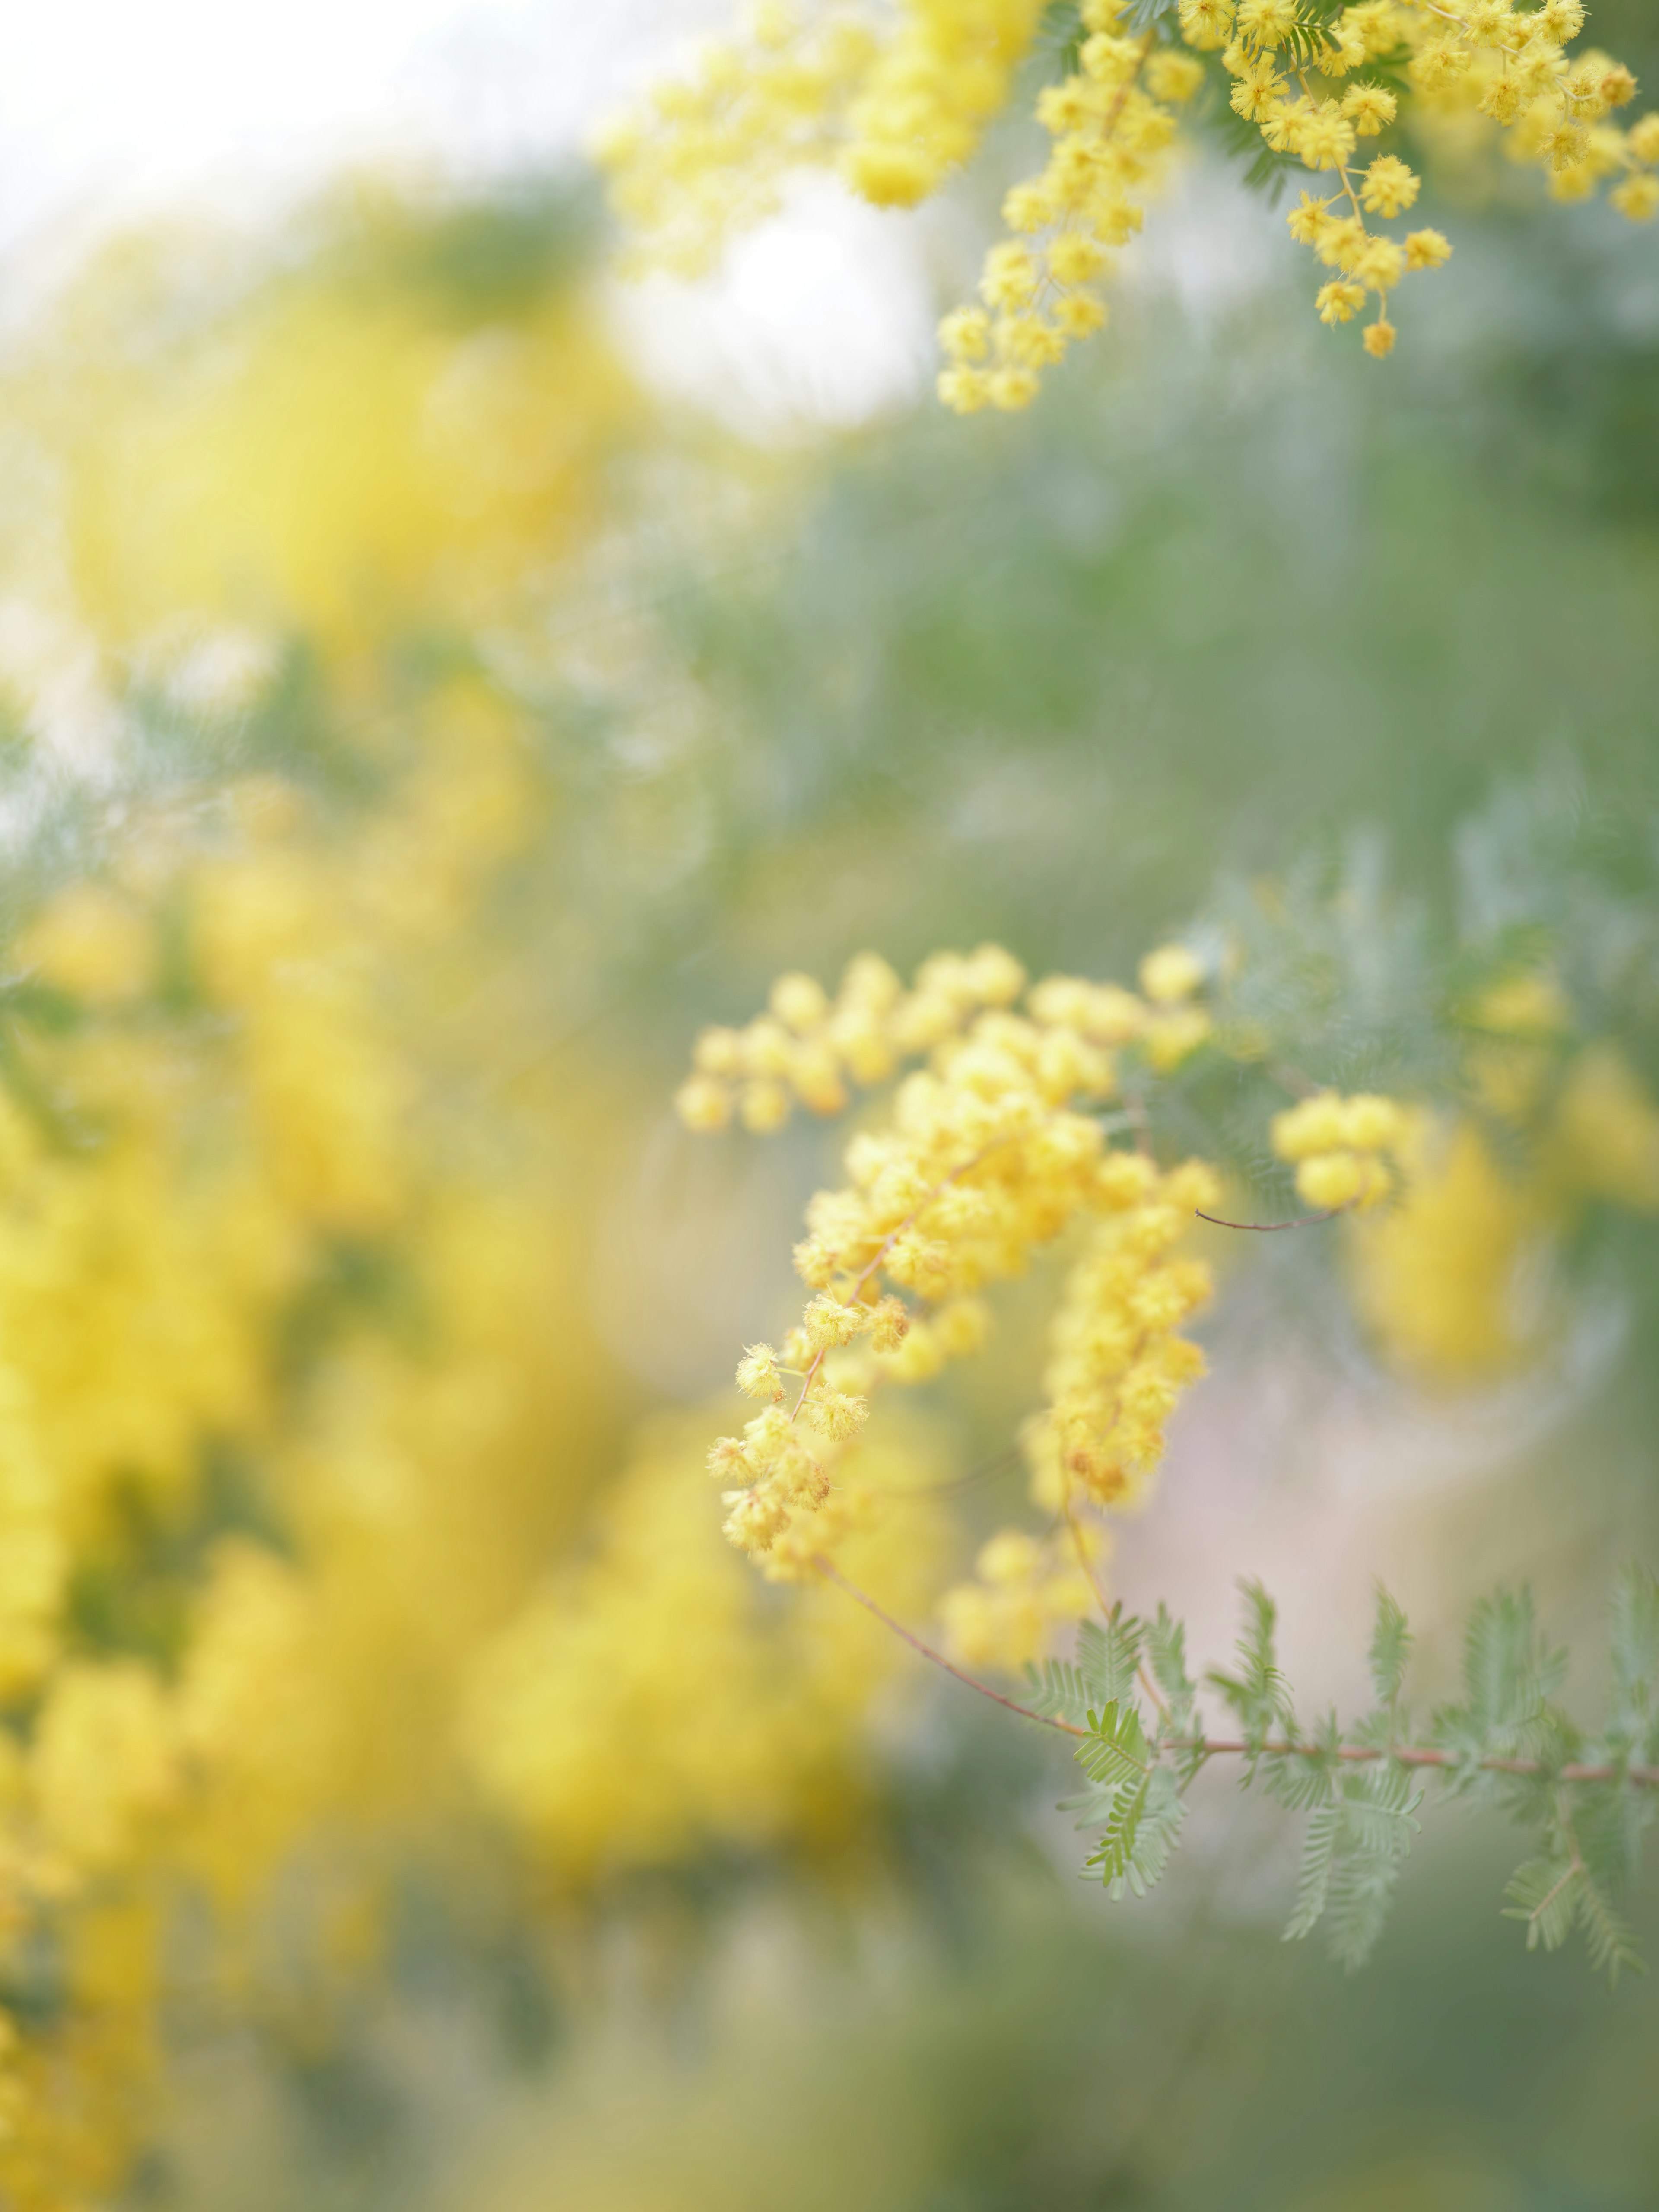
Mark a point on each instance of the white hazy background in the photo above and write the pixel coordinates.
(113, 114)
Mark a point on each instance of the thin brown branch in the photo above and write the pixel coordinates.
(1645, 1778)
(1265, 1228)
(1421, 1755)
(969, 1682)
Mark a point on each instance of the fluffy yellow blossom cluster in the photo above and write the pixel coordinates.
(1340, 1147)
(303, 1400)
(992, 1151)
(1023, 1588)
(707, 152)
(1112, 123)
(810, 1049)
(929, 93)
(899, 107)
(894, 103)
(653, 1636)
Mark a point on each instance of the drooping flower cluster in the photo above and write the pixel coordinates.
(929, 93)
(898, 108)
(994, 1151)
(1113, 123)
(707, 153)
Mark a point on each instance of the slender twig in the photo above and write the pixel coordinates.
(1009, 1456)
(833, 1574)
(1265, 1228)
(1235, 1747)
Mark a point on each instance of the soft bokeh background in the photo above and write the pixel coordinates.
(437, 680)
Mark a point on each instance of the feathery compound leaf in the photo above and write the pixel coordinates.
(1108, 1655)
(1058, 1691)
(1588, 1802)
(1258, 1692)
(1299, 1784)
(1608, 1938)
(1382, 1807)
(1156, 1834)
(1633, 1645)
(1355, 1844)
(1112, 1854)
(1391, 1645)
(1509, 1676)
(1318, 1858)
(1166, 1649)
(1357, 1908)
(1115, 1750)
(1541, 1891)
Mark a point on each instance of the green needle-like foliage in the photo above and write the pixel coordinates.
(1585, 1799)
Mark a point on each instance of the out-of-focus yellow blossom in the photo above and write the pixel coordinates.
(301, 1396)
(1439, 1274)
(1605, 1138)
(928, 95)
(1449, 1276)
(991, 1152)
(738, 1717)
(895, 106)
(338, 455)
(1023, 1588)
(900, 108)
(1340, 1147)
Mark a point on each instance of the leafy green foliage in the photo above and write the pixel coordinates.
(1391, 1648)
(1587, 1800)
(1508, 1679)
(1258, 1693)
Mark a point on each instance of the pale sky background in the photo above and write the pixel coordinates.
(115, 111)
(112, 111)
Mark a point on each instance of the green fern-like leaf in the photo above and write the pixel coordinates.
(1634, 1648)
(1318, 1859)
(1541, 1892)
(1258, 1692)
(1166, 1651)
(1608, 1938)
(1356, 1908)
(1108, 1657)
(1114, 1850)
(1391, 1645)
(1058, 1691)
(1156, 1834)
(1115, 1750)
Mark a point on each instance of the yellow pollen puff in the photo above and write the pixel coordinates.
(1074, 258)
(1390, 187)
(757, 1372)
(703, 1103)
(798, 1002)
(1206, 24)
(1171, 974)
(1379, 338)
(1267, 23)
(718, 1052)
(828, 1321)
(835, 1413)
(1426, 249)
(1010, 1556)
(965, 334)
(1172, 76)
(1369, 107)
(1339, 302)
(762, 1106)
